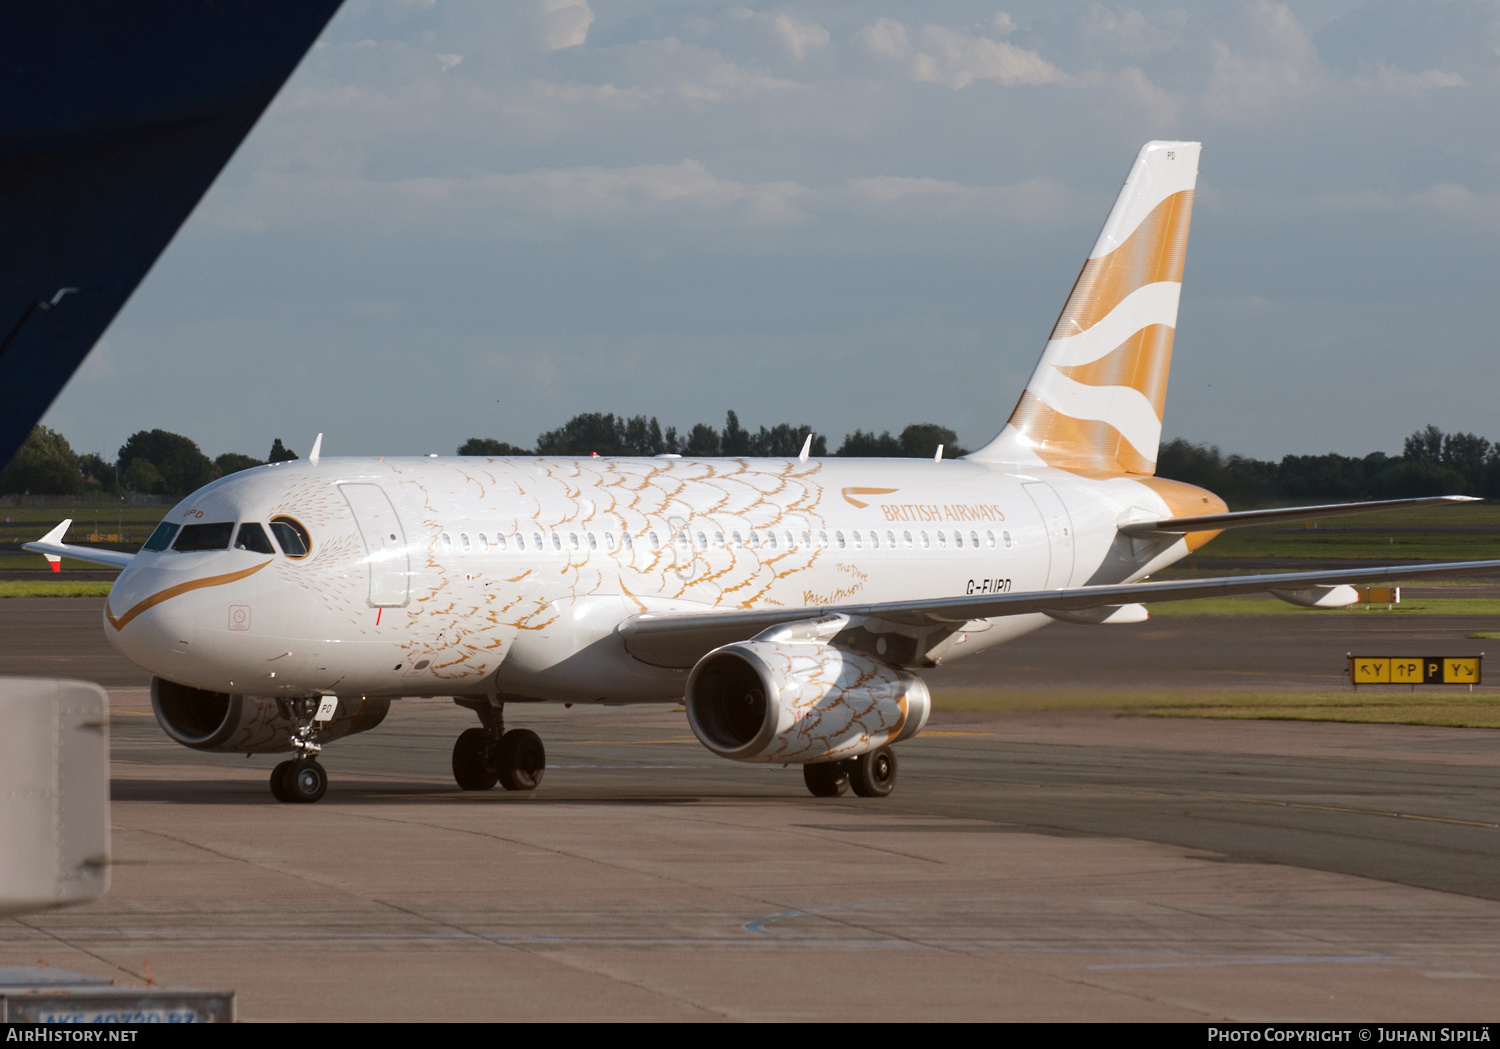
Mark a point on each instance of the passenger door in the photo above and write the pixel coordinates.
(385, 544)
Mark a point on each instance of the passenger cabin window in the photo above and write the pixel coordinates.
(463, 541)
(1006, 539)
(556, 541)
(500, 542)
(253, 537)
(162, 537)
(294, 540)
(204, 537)
(447, 541)
(655, 542)
(484, 541)
(593, 542)
(609, 540)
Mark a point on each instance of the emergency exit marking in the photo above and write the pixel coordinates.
(1411, 670)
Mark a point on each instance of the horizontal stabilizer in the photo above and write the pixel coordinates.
(54, 549)
(1250, 518)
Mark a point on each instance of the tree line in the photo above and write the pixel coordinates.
(158, 462)
(1431, 463)
(151, 462)
(609, 434)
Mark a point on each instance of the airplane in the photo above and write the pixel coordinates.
(788, 603)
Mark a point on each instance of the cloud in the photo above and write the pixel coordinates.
(956, 60)
(566, 22)
(1414, 83)
(800, 37)
(1276, 60)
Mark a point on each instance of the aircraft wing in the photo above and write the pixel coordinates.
(1250, 518)
(682, 638)
(53, 549)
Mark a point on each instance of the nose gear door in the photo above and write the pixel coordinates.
(385, 544)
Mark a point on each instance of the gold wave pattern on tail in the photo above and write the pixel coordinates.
(1109, 383)
(1153, 253)
(1142, 362)
(1080, 445)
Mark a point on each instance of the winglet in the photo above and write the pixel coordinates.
(806, 448)
(317, 449)
(56, 537)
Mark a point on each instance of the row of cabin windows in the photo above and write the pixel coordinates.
(755, 540)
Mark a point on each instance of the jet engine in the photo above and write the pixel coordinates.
(241, 724)
(795, 702)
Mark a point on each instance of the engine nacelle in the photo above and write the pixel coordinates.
(241, 724)
(801, 702)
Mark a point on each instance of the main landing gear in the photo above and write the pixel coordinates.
(302, 779)
(871, 775)
(485, 756)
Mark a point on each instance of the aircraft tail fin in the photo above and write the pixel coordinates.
(1095, 401)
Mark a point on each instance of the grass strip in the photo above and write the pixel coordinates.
(1386, 705)
(54, 588)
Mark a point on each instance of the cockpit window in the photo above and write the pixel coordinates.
(253, 537)
(204, 536)
(294, 540)
(162, 537)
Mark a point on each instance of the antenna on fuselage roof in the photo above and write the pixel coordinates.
(806, 448)
(312, 456)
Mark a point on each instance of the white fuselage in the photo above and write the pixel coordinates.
(509, 577)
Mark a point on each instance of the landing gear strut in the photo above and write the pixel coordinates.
(302, 779)
(485, 756)
(872, 775)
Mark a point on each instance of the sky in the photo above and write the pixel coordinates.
(473, 219)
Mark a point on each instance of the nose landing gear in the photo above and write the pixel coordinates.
(485, 756)
(302, 779)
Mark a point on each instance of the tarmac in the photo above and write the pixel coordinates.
(1068, 866)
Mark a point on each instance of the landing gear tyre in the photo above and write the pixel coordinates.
(826, 779)
(473, 768)
(521, 760)
(279, 788)
(873, 775)
(305, 781)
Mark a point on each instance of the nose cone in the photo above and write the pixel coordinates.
(150, 617)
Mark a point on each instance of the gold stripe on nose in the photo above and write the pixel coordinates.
(176, 591)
